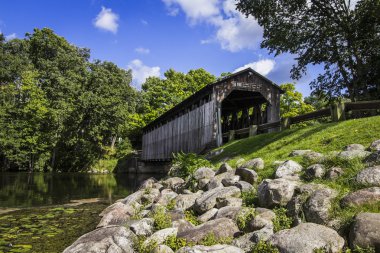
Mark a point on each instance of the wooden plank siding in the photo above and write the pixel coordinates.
(190, 132)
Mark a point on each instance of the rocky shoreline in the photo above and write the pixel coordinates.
(234, 210)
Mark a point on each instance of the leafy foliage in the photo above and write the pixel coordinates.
(264, 247)
(175, 243)
(210, 239)
(161, 219)
(191, 217)
(282, 221)
(244, 217)
(292, 103)
(249, 197)
(184, 165)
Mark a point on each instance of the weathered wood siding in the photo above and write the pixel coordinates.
(190, 132)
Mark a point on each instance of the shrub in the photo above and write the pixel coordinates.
(161, 219)
(282, 221)
(176, 243)
(264, 247)
(243, 218)
(139, 246)
(249, 197)
(190, 217)
(171, 204)
(210, 240)
(185, 164)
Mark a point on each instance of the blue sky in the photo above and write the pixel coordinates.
(151, 36)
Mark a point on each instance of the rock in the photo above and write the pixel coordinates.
(248, 240)
(351, 154)
(176, 214)
(362, 197)
(173, 182)
(166, 196)
(162, 249)
(210, 214)
(263, 218)
(314, 156)
(373, 159)
(316, 208)
(182, 225)
(228, 212)
(160, 236)
(315, 171)
(203, 176)
(148, 183)
(143, 227)
(334, 173)
(218, 248)
(288, 169)
(244, 186)
(353, 147)
(133, 198)
(186, 201)
(369, 176)
(277, 192)
(217, 180)
(224, 168)
(240, 162)
(365, 231)
(300, 152)
(104, 240)
(254, 164)
(247, 175)
(208, 199)
(116, 214)
(150, 196)
(233, 202)
(375, 146)
(230, 181)
(306, 238)
(221, 228)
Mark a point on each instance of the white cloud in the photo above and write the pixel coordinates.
(107, 20)
(10, 37)
(144, 22)
(142, 50)
(141, 72)
(264, 66)
(233, 31)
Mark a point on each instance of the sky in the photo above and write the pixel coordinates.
(152, 36)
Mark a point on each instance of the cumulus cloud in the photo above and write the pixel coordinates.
(107, 20)
(10, 37)
(233, 31)
(141, 72)
(142, 50)
(264, 66)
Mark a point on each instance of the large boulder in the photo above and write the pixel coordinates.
(263, 218)
(133, 198)
(208, 199)
(277, 192)
(182, 225)
(334, 173)
(362, 197)
(150, 196)
(143, 227)
(230, 201)
(247, 175)
(203, 176)
(228, 212)
(210, 214)
(218, 248)
(117, 214)
(373, 159)
(162, 249)
(365, 231)
(315, 171)
(244, 186)
(230, 181)
(160, 236)
(369, 176)
(248, 240)
(225, 167)
(220, 228)
(317, 207)
(173, 183)
(104, 240)
(148, 183)
(186, 201)
(166, 196)
(288, 169)
(355, 153)
(216, 181)
(375, 146)
(254, 164)
(306, 238)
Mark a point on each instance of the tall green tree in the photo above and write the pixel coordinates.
(292, 103)
(342, 37)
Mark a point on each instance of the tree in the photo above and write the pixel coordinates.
(292, 103)
(342, 37)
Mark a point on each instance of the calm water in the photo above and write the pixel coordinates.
(41, 189)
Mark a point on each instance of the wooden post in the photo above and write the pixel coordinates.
(285, 123)
(231, 135)
(252, 130)
(338, 112)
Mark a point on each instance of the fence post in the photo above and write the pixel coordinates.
(252, 130)
(231, 135)
(338, 111)
(285, 123)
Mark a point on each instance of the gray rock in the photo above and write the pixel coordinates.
(263, 218)
(218, 248)
(203, 176)
(176, 214)
(317, 207)
(143, 227)
(277, 192)
(208, 199)
(351, 154)
(162, 249)
(362, 197)
(247, 175)
(300, 152)
(104, 240)
(182, 225)
(244, 242)
(375, 146)
(150, 196)
(186, 201)
(221, 228)
(173, 183)
(334, 173)
(224, 168)
(210, 214)
(240, 162)
(117, 214)
(353, 147)
(133, 198)
(369, 176)
(365, 231)
(315, 171)
(148, 183)
(216, 181)
(288, 169)
(306, 238)
(229, 212)
(314, 156)
(230, 181)
(160, 236)
(254, 164)
(244, 186)
(373, 159)
(230, 201)
(166, 196)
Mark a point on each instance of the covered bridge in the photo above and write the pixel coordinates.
(201, 121)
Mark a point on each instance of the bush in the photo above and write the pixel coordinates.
(243, 218)
(161, 219)
(282, 221)
(210, 240)
(264, 247)
(190, 217)
(171, 204)
(175, 243)
(139, 246)
(249, 198)
(184, 165)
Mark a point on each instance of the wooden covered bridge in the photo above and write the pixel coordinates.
(203, 120)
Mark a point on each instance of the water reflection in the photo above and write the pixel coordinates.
(40, 189)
